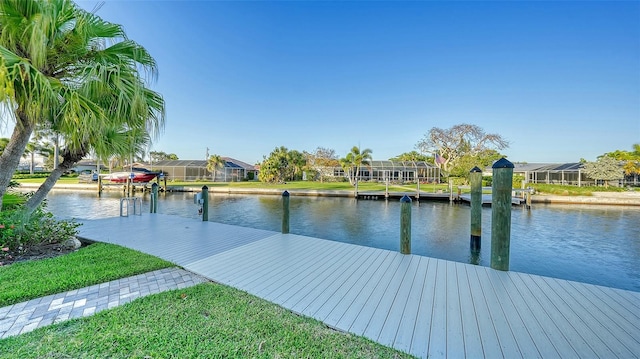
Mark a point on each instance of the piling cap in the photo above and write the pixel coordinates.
(475, 169)
(502, 163)
(405, 199)
(285, 194)
(205, 187)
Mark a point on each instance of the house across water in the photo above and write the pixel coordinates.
(194, 170)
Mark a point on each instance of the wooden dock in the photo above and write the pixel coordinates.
(487, 199)
(424, 306)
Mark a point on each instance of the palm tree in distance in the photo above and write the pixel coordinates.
(214, 162)
(354, 161)
(71, 72)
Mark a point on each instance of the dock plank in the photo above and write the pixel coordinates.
(422, 326)
(501, 283)
(348, 289)
(278, 272)
(438, 333)
(530, 333)
(470, 327)
(552, 332)
(361, 289)
(335, 291)
(389, 324)
(368, 307)
(455, 339)
(488, 335)
(582, 321)
(409, 316)
(602, 321)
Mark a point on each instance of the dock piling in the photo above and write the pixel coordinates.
(205, 203)
(476, 209)
(154, 198)
(501, 188)
(405, 225)
(285, 212)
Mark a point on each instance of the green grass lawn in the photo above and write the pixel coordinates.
(294, 185)
(97, 263)
(205, 321)
(574, 190)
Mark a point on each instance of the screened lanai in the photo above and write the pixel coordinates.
(406, 171)
(553, 173)
(193, 170)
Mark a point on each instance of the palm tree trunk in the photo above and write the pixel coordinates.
(56, 151)
(10, 158)
(69, 160)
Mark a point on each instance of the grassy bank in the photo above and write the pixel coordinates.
(295, 185)
(97, 263)
(561, 190)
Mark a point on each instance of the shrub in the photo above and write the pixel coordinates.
(517, 181)
(20, 230)
(12, 200)
(26, 175)
(458, 181)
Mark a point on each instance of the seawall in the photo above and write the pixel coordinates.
(598, 198)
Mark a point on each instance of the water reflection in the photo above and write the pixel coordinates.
(593, 244)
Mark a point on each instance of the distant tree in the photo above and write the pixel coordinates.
(36, 148)
(47, 141)
(323, 160)
(297, 165)
(49, 162)
(214, 163)
(448, 146)
(630, 159)
(281, 165)
(156, 156)
(605, 168)
(466, 162)
(354, 161)
(411, 156)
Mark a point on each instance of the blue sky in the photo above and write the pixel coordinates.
(559, 80)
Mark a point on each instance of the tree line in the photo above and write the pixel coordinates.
(452, 150)
(455, 151)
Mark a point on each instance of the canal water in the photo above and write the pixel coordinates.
(592, 244)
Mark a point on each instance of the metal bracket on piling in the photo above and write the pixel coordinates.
(135, 201)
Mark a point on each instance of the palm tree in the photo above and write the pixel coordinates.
(213, 163)
(354, 161)
(76, 74)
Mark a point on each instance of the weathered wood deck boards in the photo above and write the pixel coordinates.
(425, 306)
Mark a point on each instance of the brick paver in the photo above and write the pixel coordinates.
(26, 316)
